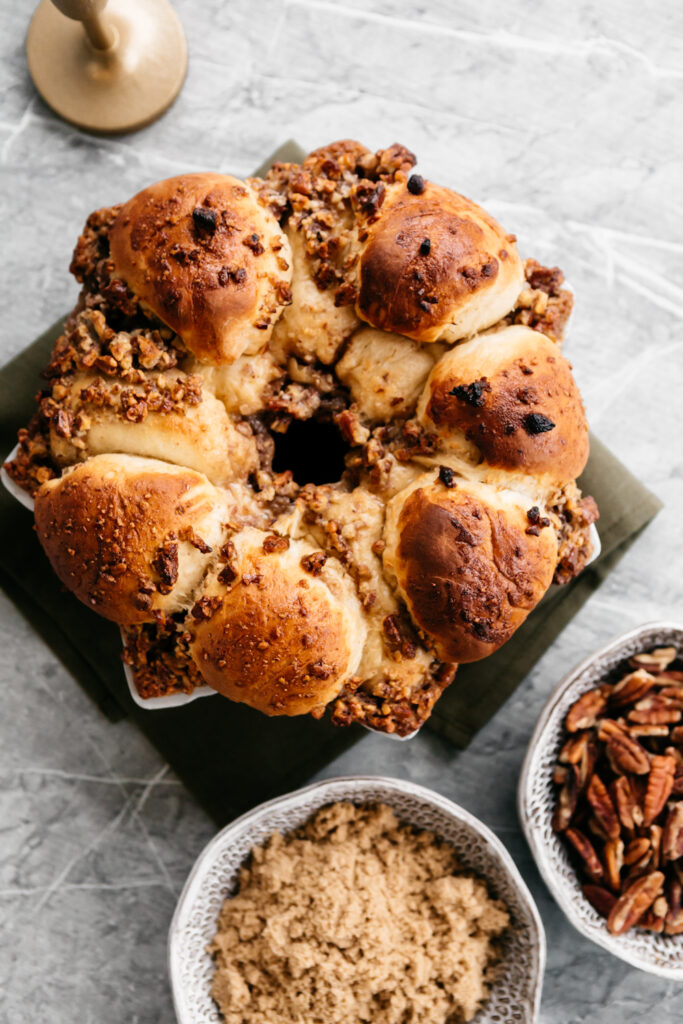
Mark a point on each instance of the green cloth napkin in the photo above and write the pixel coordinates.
(229, 756)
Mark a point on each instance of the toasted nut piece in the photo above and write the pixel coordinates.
(647, 730)
(677, 736)
(674, 693)
(656, 844)
(624, 800)
(651, 921)
(673, 924)
(609, 727)
(625, 752)
(583, 714)
(566, 802)
(586, 851)
(677, 756)
(596, 828)
(603, 808)
(581, 751)
(655, 716)
(633, 903)
(658, 659)
(636, 850)
(600, 898)
(613, 858)
(659, 785)
(672, 839)
(560, 773)
(574, 748)
(631, 688)
(660, 906)
(669, 675)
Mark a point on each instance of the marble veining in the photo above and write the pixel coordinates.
(565, 120)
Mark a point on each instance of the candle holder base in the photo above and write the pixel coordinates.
(118, 89)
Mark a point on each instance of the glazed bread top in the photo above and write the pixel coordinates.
(208, 259)
(434, 266)
(131, 536)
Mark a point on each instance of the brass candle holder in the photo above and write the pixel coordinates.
(107, 67)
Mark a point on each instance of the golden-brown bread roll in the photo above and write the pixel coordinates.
(313, 326)
(208, 259)
(469, 562)
(241, 386)
(278, 626)
(385, 373)
(132, 537)
(509, 398)
(168, 416)
(435, 266)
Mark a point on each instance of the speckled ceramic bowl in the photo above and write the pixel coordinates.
(516, 994)
(657, 954)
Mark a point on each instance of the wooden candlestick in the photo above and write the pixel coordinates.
(107, 66)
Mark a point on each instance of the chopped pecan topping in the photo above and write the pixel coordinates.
(165, 564)
(275, 542)
(314, 563)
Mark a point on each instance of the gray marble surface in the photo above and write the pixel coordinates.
(566, 120)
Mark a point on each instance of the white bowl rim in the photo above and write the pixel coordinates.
(195, 878)
(567, 905)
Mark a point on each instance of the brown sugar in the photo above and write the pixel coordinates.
(355, 917)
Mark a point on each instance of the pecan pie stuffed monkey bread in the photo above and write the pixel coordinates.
(309, 439)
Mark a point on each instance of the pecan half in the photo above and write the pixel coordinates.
(583, 714)
(631, 688)
(624, 751)
(672, 838)
(600, 898)
(566, 802)
(673, 923)
(613, 858)
(633, 903)
(586, 851)
(603, 808)
(624, 800)
(659, 786)
(659, 659)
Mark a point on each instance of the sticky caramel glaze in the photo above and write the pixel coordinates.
(466, 564)
(435, 265)
(202, 253)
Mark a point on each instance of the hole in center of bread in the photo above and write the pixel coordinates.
(312, 450)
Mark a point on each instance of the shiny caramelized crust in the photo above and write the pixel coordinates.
(163, 416)
(208, 259)
(434, 266)
(469, 563)
(274, 629)
(510, 399)
(131, 537)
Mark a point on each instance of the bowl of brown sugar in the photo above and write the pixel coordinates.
(362, 899)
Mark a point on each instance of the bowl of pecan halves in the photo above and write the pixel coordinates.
(601, 797)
